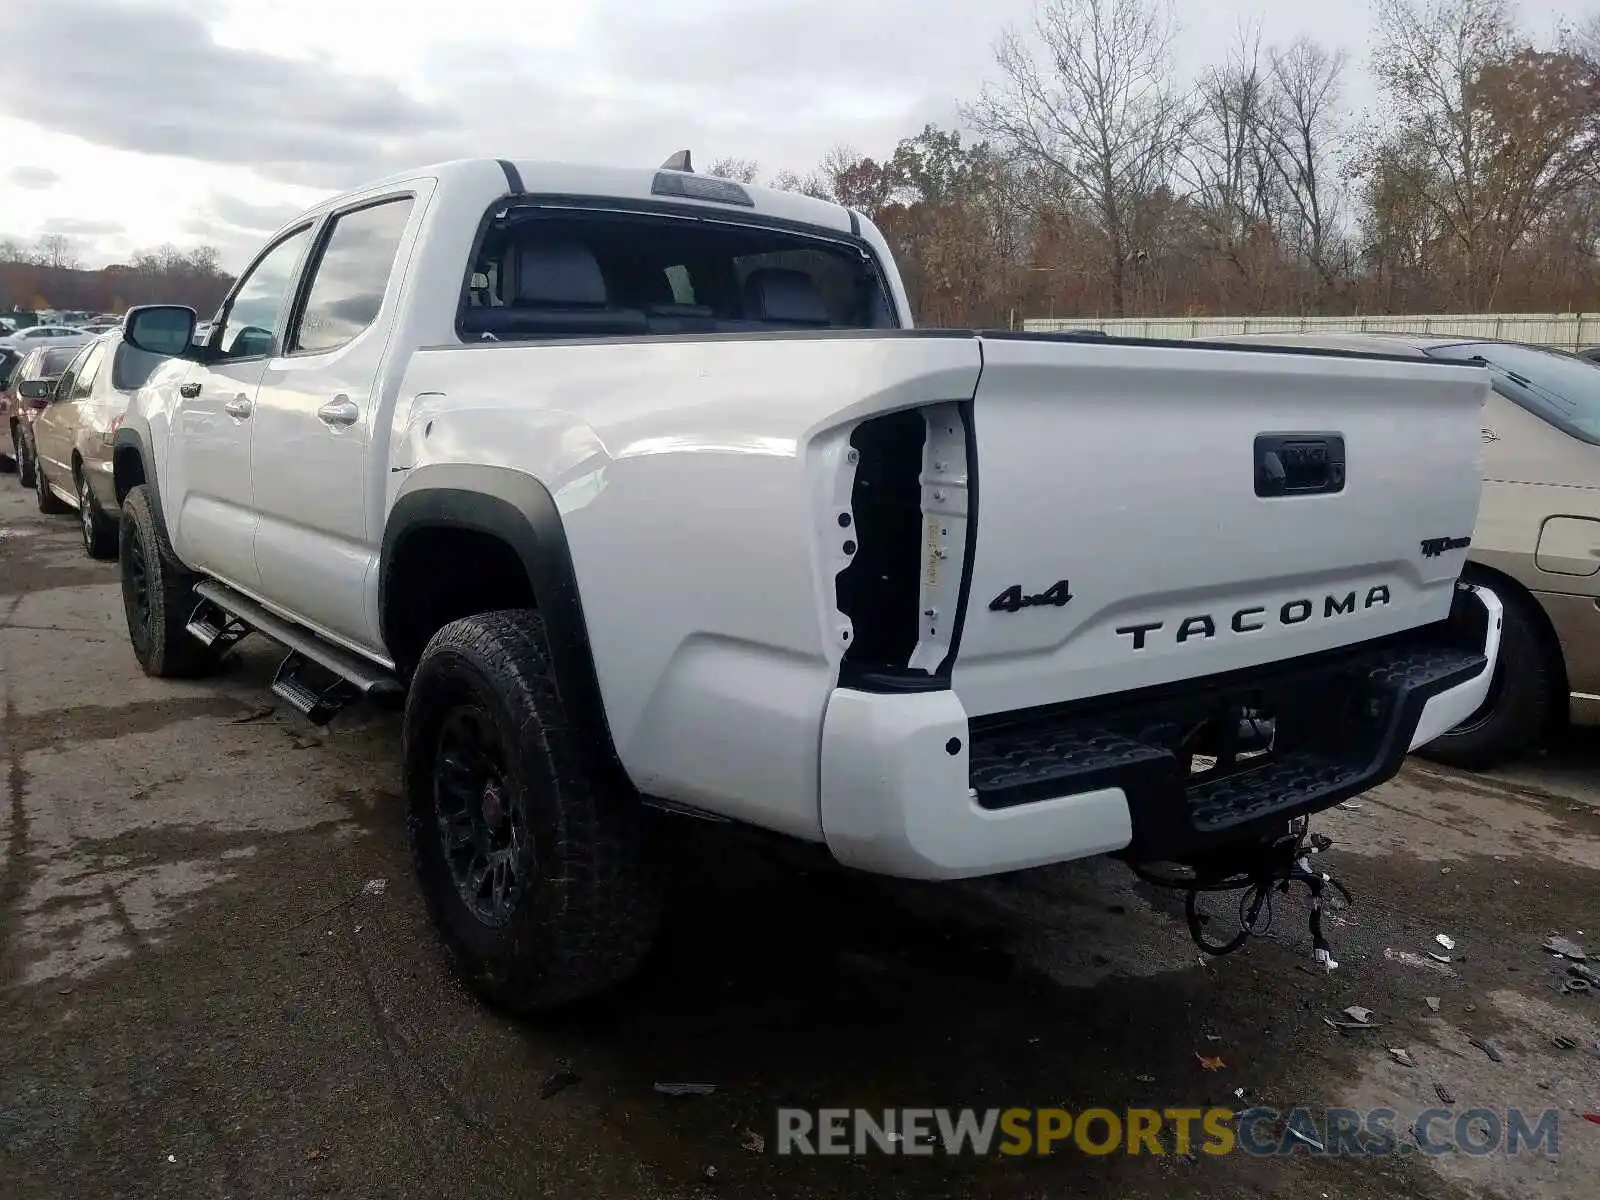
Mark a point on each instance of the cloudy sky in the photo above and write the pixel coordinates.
(126, 123)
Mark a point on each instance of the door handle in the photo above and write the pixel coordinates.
(339, 412)
(189, 391)
(240, 406)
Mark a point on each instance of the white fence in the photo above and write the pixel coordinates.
(1565, 331)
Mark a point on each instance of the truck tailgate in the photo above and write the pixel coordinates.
(1152, 513)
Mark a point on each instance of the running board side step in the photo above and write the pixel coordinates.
(210, 625)
(316, 678)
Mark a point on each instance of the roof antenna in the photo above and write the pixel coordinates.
(678, 162)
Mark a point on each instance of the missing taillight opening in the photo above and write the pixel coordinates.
(910, 506)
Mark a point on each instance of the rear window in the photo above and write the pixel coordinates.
(1561, 388)
(54, 361)
(543, 273)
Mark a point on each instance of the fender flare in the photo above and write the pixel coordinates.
(125, 439)
(516, 509)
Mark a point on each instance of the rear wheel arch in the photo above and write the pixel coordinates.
(131, 465)
(496, 538)
(1507, 588)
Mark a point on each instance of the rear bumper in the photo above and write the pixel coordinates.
(911, 787)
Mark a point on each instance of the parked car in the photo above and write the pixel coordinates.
(71, 438)
(641, 490)
(33, 382)
(9, 358)
(1537, 538)
(27, 339)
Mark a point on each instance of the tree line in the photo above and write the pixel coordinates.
(48, 274)
(1095, 183)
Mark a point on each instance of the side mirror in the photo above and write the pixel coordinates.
(36, 389)
(166, 329)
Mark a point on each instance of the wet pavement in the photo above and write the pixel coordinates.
(200, 995)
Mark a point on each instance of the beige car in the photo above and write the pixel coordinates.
(1537, 541)
(71, 437)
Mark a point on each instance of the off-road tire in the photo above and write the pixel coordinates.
(157, 594)
(591, 902)
(50, 504)
(99, 530)
(1523, 696)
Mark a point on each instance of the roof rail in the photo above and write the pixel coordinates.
(678, 162)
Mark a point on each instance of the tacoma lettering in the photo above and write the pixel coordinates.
(1201, 626)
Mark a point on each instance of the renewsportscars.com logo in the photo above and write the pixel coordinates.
(1261, 1132)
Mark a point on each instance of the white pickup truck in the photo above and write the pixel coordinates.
(641, 490)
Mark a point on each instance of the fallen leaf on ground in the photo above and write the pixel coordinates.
(1209, 1062)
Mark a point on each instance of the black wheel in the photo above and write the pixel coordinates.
(157, 594)
(24, 460)
(49, 503)
(99, 530)
(537, 879)
(1522, 701)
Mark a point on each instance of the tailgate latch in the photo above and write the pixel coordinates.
(1299, 464)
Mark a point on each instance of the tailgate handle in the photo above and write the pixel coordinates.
(1299, 464)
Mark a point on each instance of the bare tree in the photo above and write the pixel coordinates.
(1303, 131)
(1094, 111)
(811, 185)
(740, 170)
(1226, 159)
(1587, 39)
(1430, 55)
(1496, 132)
(12, 250)
(56, 250)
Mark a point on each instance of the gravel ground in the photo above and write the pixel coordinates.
(201, 995)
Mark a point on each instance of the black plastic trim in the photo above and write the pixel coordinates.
(928, 332)
(126, 439)
(513, 176)
(1097, 338)
(518, 510)
(1275, 455)
(855, 222)
(775, 335)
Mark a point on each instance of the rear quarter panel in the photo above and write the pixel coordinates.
(687, 475)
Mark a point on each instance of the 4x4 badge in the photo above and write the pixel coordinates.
(1012, 600)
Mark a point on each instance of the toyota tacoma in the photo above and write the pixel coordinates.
(640, 491)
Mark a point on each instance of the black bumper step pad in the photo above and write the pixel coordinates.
(1344, 723)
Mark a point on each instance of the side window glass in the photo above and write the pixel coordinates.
(86, 370)
(351, 276)
(68, 379)
(253, 315)
(682, 285)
